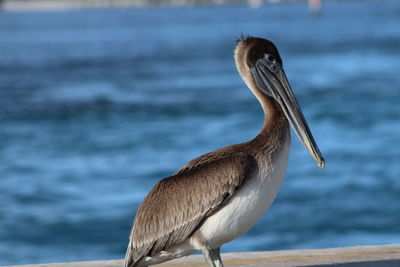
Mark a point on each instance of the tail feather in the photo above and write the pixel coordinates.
(129, 261)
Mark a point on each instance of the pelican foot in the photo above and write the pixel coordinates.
(213, 257)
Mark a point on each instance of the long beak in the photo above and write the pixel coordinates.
(272, 80)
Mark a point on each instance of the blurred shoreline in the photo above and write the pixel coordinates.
(39, 5)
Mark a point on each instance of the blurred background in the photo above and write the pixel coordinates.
(98, 104)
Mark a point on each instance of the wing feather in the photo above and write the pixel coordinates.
(176, 205)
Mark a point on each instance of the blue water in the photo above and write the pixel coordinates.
(97, 105)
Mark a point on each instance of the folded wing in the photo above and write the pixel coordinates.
(176, 206)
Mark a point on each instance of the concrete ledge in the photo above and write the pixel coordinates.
(362, 256)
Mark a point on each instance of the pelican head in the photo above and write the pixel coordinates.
(260, 66)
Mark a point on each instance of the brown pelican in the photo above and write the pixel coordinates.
(218, 196)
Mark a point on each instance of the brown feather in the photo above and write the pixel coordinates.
(176, 205)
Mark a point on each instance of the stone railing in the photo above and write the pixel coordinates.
(362, 256)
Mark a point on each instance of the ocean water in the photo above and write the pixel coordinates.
(97, 105)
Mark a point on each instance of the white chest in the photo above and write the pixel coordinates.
(248, 204)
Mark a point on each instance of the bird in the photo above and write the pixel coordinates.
(220, 195)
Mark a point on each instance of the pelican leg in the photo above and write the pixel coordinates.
(213, 257)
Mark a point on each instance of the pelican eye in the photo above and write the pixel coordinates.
(271, 62)
(270, 58)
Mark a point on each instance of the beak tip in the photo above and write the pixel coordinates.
(321, 163)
